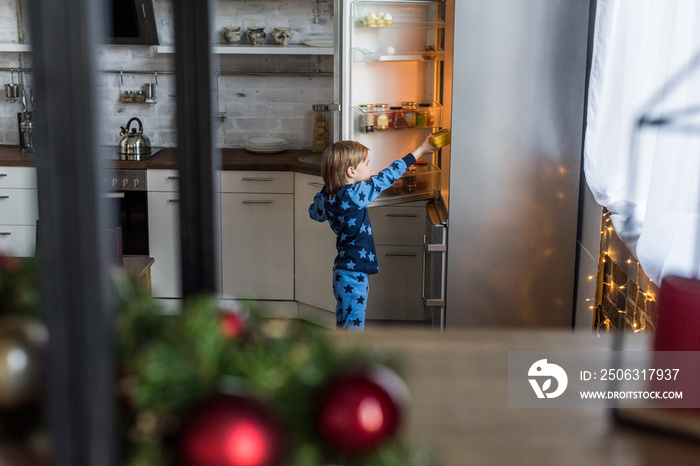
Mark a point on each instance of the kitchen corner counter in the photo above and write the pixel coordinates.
(166, 158)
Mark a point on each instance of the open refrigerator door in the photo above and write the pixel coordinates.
(389, 86)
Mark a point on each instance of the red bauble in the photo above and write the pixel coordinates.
(229, 430)
(233, 323)
(360, 410)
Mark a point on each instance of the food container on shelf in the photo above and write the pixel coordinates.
(421, 179)
(381, 117)
(322, 121)
(367, 118)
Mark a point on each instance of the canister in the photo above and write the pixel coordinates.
(381, 117)
(409, 112)
(322, 118)
(367, 118)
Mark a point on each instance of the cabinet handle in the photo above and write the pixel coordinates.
(173, 177)
(257, 201)
(3, 174)
(394, 214)
(4, 197)
(314, 184)
(173, 200)
(400, 254)
(256, 178)
(5, 233)
(113, 195)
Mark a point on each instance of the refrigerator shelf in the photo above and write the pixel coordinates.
(365, 56)
(432, 118)
(404, 24)
(421, 181)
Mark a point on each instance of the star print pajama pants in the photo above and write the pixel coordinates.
(350, 290)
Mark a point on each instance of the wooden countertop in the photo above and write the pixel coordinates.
(231, 159)
(459, 388)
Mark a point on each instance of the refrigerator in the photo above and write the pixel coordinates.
(508, 77)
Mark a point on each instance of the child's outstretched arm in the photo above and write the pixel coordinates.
(316, 210)
(424, 149)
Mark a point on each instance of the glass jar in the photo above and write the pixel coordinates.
(421, 118)
(322, 119)
(381, 117)
(410, 181)
(367, 123)
(429, 118)
(396, 118)
(409, 112)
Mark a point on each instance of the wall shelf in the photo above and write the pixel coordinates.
(243, 49)
(7, 47)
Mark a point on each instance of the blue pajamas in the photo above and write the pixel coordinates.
(346, 212)
(350, 290)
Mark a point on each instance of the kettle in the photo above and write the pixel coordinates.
(134, 145)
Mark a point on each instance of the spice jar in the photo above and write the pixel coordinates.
(381, 117)
(396, 118)
(367, 122)
(322, 118)
(409, 112)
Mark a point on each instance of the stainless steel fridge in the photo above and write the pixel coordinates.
(512, 175)
(508, 77)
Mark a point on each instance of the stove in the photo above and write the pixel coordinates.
(135, 157)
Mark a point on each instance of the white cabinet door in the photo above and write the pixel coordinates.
(164, 243)
(257, 245)
(314, 248)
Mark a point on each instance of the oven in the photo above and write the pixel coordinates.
(126, 191)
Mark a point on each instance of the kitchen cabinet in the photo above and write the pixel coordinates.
(395, 293)
(18, 211)
(257, 228)
(314, 248)
(164, 232)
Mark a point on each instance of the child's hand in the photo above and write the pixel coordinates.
(424, 149)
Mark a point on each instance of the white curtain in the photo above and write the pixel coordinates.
(646, 64)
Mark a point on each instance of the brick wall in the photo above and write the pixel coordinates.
(254, 106)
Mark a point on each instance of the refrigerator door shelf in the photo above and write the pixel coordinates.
(365, 56)
(430, 118)
(402, 14)
(420, 182)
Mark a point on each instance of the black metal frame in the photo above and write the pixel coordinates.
(75, 286)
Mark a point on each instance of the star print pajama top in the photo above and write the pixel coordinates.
(357, 258)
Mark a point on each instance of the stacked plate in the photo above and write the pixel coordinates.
(317, 40)
(267, 145)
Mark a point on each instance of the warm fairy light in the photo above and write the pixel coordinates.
(590, 277)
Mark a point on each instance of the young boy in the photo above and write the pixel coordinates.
(343, 201)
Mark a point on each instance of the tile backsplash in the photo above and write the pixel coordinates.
(271, 104)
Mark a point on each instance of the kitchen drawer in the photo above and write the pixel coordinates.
(17, 240)
(257, 182)
(404, 225)
(18, 206)
(394, 293)
(18, 177)
(162, 180)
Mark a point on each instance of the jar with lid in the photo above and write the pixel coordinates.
(426, 110)
(367, 118)
(322, 124)
(381, 117)
(409, 112)
(396, 118)
(410, 181)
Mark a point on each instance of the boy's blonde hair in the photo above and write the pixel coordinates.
(336, 160)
